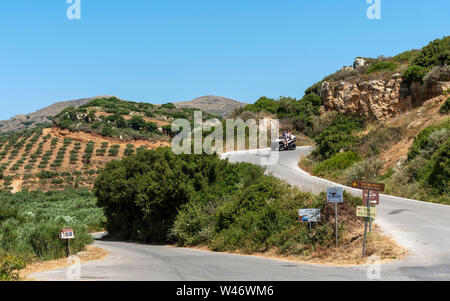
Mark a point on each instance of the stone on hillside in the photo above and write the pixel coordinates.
(359, 62)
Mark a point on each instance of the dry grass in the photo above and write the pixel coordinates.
(415, 121)
(349, 252)
(306, 164)
(92, 253)
(350, 249)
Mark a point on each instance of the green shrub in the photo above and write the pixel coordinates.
(193, 225)
(445, 108)
(107, 132)
(436, 53)
(47, 174)
(137, 123)
(422, 141)
(263, 104)
(169, 106)
(151, 127)
(414, 74)
(381, 66)
(407, 56)
(363, 170)
(9, 265)
(439, 176)
(114, 151)
(339, 162)
(336, 136)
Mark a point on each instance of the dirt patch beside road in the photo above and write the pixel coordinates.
(92, 253)
(349, 252)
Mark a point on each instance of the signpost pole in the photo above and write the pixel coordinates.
(336, 218)
(365, 223)
(365, 238)
(67, 248)
(368, 210)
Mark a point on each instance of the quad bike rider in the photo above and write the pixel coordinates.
(286, 142)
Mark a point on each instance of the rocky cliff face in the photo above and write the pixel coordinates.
(377, 99)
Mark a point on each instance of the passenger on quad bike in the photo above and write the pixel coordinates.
(284, 137)
(287, 137)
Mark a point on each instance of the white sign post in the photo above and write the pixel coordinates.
(335, 195)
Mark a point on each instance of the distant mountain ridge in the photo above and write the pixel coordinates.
(215, 105)
(27, 121)
(211, 104)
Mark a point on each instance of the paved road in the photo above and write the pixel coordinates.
(422, 227)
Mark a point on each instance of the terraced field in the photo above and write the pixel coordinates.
(55, 159)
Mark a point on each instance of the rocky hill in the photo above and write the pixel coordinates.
(215, 105)
(45, 115)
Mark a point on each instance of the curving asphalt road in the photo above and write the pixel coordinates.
(423, 228)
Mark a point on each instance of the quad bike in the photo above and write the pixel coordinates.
(278, 145)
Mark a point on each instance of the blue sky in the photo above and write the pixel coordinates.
(175, 50)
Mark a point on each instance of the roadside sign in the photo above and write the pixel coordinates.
(368, 185)
(309, 215)
(66, 234)
(374, 197)
(363, 211)
(335, 195)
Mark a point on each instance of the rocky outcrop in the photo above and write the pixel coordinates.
(358, 63)
(377, 99)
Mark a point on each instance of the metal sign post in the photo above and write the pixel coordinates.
(377, 187)
(310, 216)
(67, 248)
(335, 195)
(365, 224)
(336, 219)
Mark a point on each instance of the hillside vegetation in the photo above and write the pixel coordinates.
(429, 64)
(111, 117)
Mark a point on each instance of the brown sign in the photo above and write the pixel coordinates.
(368, 185)
(374, 197)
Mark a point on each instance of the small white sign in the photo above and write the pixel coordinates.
(66, 234)
(335, 195)
(309, 215)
